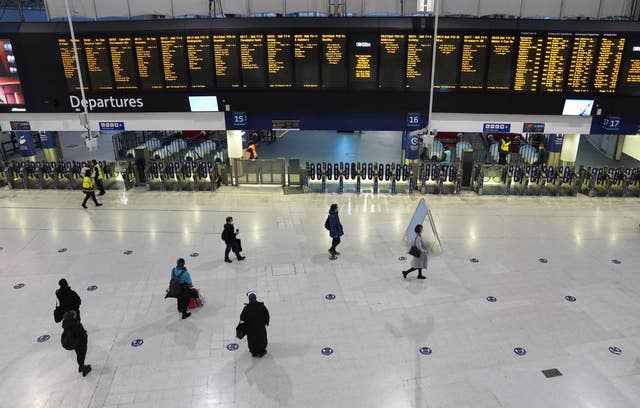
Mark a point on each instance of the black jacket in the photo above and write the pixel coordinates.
(75, 330)
(229, 234)
(68, 299)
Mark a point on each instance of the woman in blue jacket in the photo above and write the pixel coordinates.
(180, 271)
(335, 229)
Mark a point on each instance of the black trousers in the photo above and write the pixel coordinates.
(100, 186)
(183, 302)
(87, 195)
(231, 246)
(334, 243)
(81, 353)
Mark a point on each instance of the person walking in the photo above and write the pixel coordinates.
(180, 272)
(68, 299)
(418, 262)
(255, 317)
(98, 176)
(542, 157)
(87, 189)
(74, 337)
(335, 229)
(230, 238)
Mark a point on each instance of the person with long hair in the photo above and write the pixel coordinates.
(418, 263)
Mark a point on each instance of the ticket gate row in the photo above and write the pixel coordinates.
(55, 174)
(380, 178)
(608, 181)
(190, 175)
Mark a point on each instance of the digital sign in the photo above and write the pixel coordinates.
(630, 78)
(123, 62)
(68, 59)
(252, 61)
(279, 60)
(149, 64)
(392, 56)
(608, 63)
(334, 64)
(306, 55)
(98, 65)
(364, 62)
(528, 63)
(474, 62)
(502, 51)
(419, 52)
(583, 56)
(447, 56)
(556, 62)
(200, 61)
(174, 62)
(226, 60)
(10, 88)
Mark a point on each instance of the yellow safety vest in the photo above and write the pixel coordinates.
(99, 172)
(504, 146)
(87, 184)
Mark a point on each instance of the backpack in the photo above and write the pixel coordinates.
(175, 287)
(68, 340)
(327, 226)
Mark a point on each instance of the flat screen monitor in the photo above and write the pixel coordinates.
(203, 103)
(578, 107)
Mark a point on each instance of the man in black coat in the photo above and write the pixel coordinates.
(68, 299)
(255, 317)
(74, 337)
(233, 243)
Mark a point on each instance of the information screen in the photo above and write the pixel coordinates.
(252, 61)
(10, 87)
(98, 64)
(474, 62)
(630, 78)
(447, 57)
(608, 63)
(307, 60)
(419, 53)
(200, 61)
(583, 57)
(149, 62)
(334, 63)
(528, 63)
(280, 60)
(174, 62)
(226, 60)
(123, 63)
(556, 62)
(364, 62)
(502, 52)
(392, 58)
(69, 63)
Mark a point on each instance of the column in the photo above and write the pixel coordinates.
(234, 144)
(570, 148)
(26, 144)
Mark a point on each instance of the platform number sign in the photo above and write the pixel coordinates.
(611, 123)
(414, 119)
(239, 118)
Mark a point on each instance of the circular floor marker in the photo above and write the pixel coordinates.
(92, 288)
(43, 338)
(194, 254)
(520, 351)
(616, 261)
(327, 351)
(330, 296)
(491, 299)
(474, 260)
(570, 298)
(402, 258)
(232, 346)
(18, 286)
(128, 252)
(137, 343)
(61, 250)
(333, 258)
(615, 350)
(543, 260)
(425, 351)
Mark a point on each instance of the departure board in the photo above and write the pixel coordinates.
(200, 61)
(583, 57)
(419, 53)
(279, 60)
(502, 51)
(447, 56)
(392, 58)
(556, 62)
(474, 62)
(306, 55)
(608, 63)
(226, 57)
(123, 63)
(69, 63)
(364, 61)
(630, 78)
(252, 57)
(528, 63)
(334, 63)
(98, 64)
(174, 62)
(149, 63)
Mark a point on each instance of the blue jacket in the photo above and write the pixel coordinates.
(335, 228)
(447, 157)
(185, 278)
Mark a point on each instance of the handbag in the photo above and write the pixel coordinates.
(414, 251)
(240, 330)
(57, 313)
(238, 245)
(175, 287)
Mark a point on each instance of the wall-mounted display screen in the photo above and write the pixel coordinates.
(578, 107)
(203, 103)
(10, 88)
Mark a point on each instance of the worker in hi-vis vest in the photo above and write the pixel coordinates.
(251, 152)
(98, 175)
(505, 146)
(87, 189)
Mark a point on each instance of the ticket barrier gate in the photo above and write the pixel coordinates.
(438, 179)
(630, 182)
(178, 176)
(358, 177)
(490, 179)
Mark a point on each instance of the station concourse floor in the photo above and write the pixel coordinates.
(376, 325)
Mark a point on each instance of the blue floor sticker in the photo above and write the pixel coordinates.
(520, 351)
(474, 260)
(232, 346)
(18, 286)
(333, 258)
(194, 254)
(425, 351)
(137, 343)
(43, 338)
(327, 351)
(491, 299)
(128, 252)
(92, 288)
(402, 258)
(616, 261)
(330, 296)
(543, 260)
(615, 350)
(61, 250)
(570, 298)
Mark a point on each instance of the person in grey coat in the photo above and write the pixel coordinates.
(421, 262)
